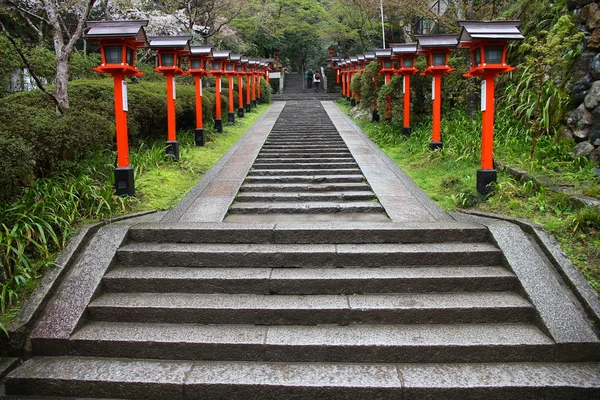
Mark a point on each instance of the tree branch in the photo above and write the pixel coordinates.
(37, 80)
(80, 26)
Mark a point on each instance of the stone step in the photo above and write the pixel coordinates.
(296, 172)
(260, 309)
(296, 155)
(305, 179)
(163, 379)
(304, 165)
(299, 255)
(299, 233)
(299, 197)
(291, 343)
(269, 150)
(304, 146)
(304, 187)
(304, 281)
(291, 160)
(306, 207)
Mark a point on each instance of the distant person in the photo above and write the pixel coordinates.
(317, 80)
(309, 78)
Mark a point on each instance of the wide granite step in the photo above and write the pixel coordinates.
(304, 196)
(306, 207)
(162, 379)
(316, 255)
(305, 179)
(260, 309)
(304, 281)
(325, 343)
(296, 172)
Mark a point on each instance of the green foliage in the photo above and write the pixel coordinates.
(265, 91)
(368, 90)
(392, 92)
(16, 162)
(356, 84)
(332, 86)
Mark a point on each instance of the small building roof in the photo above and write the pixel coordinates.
(436, 41)
(490, 30)
(383, 53)
(203, 50)
(220, 55)
(134, 30)
(170, 42)
(404, 48)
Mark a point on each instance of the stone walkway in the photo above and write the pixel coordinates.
(275, 278)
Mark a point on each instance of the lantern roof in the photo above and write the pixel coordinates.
(354, 59)
(361, 57)
(170, 42)
(235, 57)
(253, 62)
(203, 50)
(220, 55)
(383, 53)
(134, 30)
(404, 48)
(489, 30)
(244, 60)
(436, 41)
(369, 56)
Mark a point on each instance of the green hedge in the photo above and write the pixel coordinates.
(35, 139)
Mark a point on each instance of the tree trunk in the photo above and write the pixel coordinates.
(62, 80)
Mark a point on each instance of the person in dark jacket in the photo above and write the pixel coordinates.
(309, 78)
(317, 80)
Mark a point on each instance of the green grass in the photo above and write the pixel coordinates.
(449, 178)
(164, 184)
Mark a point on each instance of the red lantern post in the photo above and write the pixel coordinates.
(353, 70)
(230, 66)
(406, 54)
(436, 49)
(384, 56)
(199, 56)
(253, 73)
(170, 51)
(260, 72)
(368, 58)
(219, 58)
(239, 71)
(331, 54)
(118, 43)
(276, 54)
(488, 42)
(247, 72)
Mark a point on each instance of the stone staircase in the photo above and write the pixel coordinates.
(303, 168)
(294, 90)
(271, 304)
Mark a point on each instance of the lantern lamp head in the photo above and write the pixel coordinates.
(218, 60)
(231, 65)
(384, 56)
(198, 57)
(436, 49)
(488, 43)
(406, 54)
(170, 51)
(118, 43)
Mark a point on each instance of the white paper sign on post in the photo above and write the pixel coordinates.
(124, 91)
(220, 86)
(432, 88)
(174, 90)
(483, 95)
(200, 87)
(404, 84)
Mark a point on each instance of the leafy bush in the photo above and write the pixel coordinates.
(265, 92)
(16, 162)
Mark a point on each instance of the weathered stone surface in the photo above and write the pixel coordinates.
(591, 16)
(594, 68)
(573, 4)
(583, 149)
(595, 155)
(593, 42)
(582, 66)
(581, 135)
(593, 97)
(567, 133)
(580, 118)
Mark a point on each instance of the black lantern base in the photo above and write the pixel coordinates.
(231, 117)
(219, 125)
(435, 146)
(172, 150)
(358, 102)
(253, 103)
(407, 131)
(258, 100)
(388, 119)
(199, 137)
(248, 107)
(241, 112)
(375, 116)
(353, 102)
(124, 184)
(485, 178)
